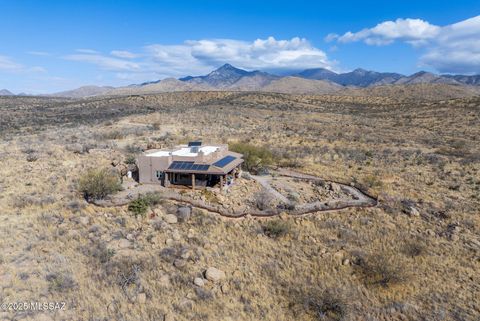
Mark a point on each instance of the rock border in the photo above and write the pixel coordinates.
(363, 200)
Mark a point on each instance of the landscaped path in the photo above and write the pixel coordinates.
(357, 199)
(265, 182)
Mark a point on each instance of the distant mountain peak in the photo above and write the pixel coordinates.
(5, 92)
(229, 69)
(421, 73)
(227, 66)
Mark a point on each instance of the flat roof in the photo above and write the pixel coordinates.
(184, 151)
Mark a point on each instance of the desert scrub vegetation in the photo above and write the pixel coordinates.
(256, 158)
(383, 269)
(276, 228)
(328, 305)
(99, 183)
(140, 205)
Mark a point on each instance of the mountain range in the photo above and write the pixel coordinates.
(309, 81)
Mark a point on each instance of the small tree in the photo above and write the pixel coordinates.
(99, 183)
(255, 158)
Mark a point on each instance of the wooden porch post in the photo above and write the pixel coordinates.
(221, 181)
(166, 181)
(193, 181)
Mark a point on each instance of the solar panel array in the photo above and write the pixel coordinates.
(224, 161)
(192, 144)
(188, 166)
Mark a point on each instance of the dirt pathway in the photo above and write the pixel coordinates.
(265, 182)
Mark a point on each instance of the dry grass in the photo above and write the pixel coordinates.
(357, 264)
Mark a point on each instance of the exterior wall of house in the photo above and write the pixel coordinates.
(147, 167)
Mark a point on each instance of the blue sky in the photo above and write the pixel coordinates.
(48, 46)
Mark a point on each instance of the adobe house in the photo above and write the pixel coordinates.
(195, 164)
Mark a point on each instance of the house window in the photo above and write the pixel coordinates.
(159, 174)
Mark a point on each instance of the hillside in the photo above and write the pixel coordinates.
(165, 85)
(414, 256)
(416, 91)
(85, 91)
(296, 85)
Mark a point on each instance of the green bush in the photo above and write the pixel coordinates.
(99, 183)
(141, 204)
(255, 158)
(138, 206)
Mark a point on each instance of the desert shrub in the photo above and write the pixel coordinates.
(114, 134)
(130, 160)
(60, 281)
(22, 201)
(152, 198)
(138, 206)
(100, 251)
(32, 157)
(263, 200)
(373, 181)
(98, 184)
(381, 269)
(256, 158)
(276, 228)
(203, 295)
(328, 304)
(413, 248)
(133, 149)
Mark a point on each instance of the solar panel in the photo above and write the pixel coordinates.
(224, 161)
(179, 165)
(191, 166)
(192, 144)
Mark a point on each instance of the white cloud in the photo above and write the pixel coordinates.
(106, 62)
(39, 53)
(124, 54)
(7, 64)
(409, 30)
(452, 48)
(456, 49)
(266, 54)
(200, 56)
(87, 51)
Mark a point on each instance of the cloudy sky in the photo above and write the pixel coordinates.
(49, 46)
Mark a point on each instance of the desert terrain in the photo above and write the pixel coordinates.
(413, 256)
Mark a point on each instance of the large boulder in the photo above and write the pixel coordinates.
(215, 275)
(184, 213)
